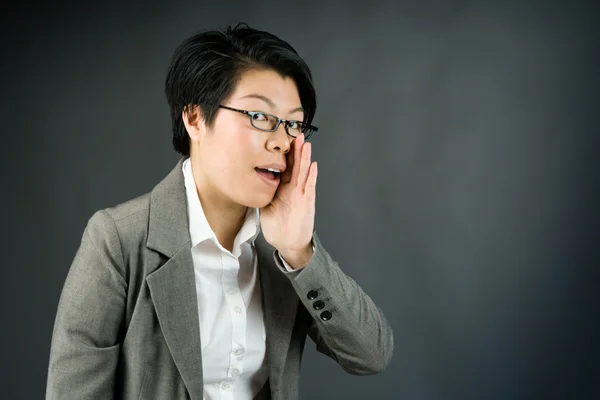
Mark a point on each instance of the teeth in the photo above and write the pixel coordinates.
(273, 170)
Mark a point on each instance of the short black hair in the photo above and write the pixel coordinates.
(207, 66)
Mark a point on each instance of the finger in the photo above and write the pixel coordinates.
(298, 142)
(304, 166)
(286, 177)
(311, 182)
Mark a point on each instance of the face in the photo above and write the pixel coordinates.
(229, 159)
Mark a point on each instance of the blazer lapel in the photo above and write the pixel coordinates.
(173, 293)
(280, 303)
(172, 286)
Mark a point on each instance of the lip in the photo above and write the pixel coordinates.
(269, 181)
(277, 166)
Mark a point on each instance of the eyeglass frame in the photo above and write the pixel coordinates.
(251, 115)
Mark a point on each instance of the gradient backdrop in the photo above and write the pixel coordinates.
(458, 176)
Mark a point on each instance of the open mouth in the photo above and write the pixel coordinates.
(270, 174)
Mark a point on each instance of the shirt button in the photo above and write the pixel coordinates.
(231, 291)
(235, 372)
(239, 352)
(237, 310)
(225, 385)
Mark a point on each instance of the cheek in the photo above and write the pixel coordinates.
(244, 149)
(236, 154)
(231, 155)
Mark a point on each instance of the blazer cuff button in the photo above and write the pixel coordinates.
(319, 305)
(326, 315)
(313, 294)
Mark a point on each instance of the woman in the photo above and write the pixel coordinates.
(207, 286)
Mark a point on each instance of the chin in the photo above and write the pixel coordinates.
(259, 201)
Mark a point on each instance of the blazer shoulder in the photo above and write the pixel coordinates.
(130, 211)
(124, 225)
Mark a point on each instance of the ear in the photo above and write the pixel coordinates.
(193, 121)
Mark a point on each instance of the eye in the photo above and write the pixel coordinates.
(295, 125)
(259, 117)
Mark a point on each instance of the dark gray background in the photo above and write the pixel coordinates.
(458, 176)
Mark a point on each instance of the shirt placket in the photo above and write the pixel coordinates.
(238, 313)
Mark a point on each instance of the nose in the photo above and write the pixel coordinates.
(279, 140)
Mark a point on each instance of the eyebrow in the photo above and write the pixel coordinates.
(269, 101)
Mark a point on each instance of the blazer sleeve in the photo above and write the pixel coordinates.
(85, 340)
(346, 324)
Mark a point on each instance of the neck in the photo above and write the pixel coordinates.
(224, 217)
(225, 221)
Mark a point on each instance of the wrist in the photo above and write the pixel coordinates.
(297, 259)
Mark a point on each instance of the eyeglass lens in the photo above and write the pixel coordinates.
(268, 122)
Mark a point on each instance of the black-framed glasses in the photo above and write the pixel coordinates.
(269, 123)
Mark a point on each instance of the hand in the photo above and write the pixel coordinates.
(288, 221)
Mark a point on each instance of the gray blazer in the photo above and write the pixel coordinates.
(127, 322)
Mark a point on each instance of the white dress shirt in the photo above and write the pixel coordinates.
(232, 330)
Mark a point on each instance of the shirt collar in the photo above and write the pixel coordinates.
(200, 230)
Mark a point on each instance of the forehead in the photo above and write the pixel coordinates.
(282, 91)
